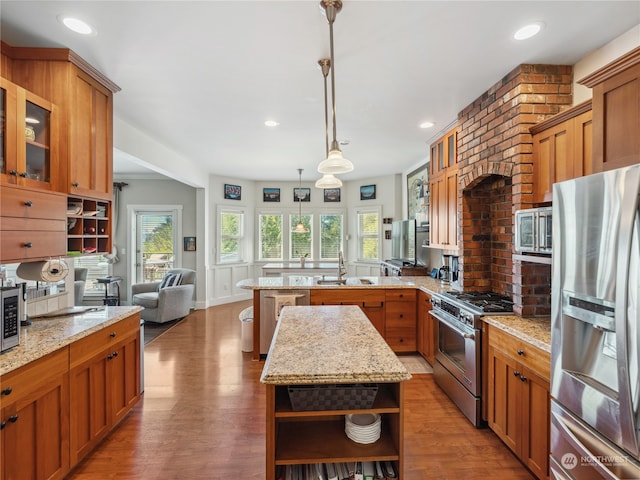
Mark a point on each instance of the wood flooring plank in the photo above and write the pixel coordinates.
(203, 417)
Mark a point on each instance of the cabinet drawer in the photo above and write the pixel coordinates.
(362, 297)
(29, 225)
(13, 245)
(405, 295)
(88, 347)
(401, 310)
(526, 354)
(28, 379)
(14, 202)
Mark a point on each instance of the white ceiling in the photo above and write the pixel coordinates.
(201, 77)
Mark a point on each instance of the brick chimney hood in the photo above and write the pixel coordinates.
(496, 174)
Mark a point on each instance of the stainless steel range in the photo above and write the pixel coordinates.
(457, 369)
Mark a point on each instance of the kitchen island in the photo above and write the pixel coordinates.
(298, 268)
(336, 347)
(372, 294)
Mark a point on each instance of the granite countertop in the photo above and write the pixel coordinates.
(297, 266)
(329, 345)
(533, 330)
(296, 282)
(47, 335)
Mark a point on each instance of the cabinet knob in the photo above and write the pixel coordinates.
(110, 356)
(520, 352)
(28, 203)
(516, 373)
(2, 425)
(75, 184)
(28, 245)
(6, 391)
(115, 354)
(13, 173)
(112, 334)
(523, 378)
(13, 418)
(23, 174)
(401, 315)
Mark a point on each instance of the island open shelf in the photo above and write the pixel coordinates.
(336, 346)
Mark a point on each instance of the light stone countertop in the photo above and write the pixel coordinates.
(329, 345)
(533, 330)
(296, 282)
(47, 335)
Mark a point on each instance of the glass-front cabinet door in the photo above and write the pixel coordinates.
(29, 130)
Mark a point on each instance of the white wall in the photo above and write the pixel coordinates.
(599, 58)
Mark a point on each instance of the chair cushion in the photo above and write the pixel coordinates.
(171, 280)
(146, 300)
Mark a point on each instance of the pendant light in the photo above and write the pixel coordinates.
(335, 163)
(327, 180)
(299, 228)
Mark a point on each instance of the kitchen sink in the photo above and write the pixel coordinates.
(332, 281)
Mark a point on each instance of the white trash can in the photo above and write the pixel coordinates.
(246, 318)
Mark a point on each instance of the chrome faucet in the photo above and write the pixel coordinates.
(342, 271)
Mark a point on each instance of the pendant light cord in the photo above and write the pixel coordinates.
(334, 144)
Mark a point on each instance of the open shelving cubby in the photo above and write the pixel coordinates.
(88, 226)
(318, 436)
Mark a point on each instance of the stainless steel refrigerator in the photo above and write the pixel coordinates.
(595, 362)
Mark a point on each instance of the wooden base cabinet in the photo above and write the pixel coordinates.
(318, 436)
(400, 319)
(34, 419)
(518, 398)
(370, 300)
(427, 328)
(105, 381)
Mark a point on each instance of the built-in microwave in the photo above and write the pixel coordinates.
(10, 316)
(533, 230)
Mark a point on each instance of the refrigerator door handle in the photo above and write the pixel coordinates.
(628, 221)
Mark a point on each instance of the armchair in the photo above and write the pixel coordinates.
(165, 304)
(79, 279)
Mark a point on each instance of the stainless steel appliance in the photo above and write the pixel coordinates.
(595, 351)
(457, 369)
(11, 311)
(533, 230)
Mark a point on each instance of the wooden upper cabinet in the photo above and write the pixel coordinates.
(616, 112)
(562, 150)
(29, 139)
(443, 188)
(85, 103)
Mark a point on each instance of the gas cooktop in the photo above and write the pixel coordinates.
(484, 302)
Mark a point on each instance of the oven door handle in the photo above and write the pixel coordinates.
(453, 327)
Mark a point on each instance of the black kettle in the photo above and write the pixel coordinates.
(443, 274)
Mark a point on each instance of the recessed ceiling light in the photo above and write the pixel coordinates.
(426, 124)
(77, 25)
(528, 31)
(271, 123)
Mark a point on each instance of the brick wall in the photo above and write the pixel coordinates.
(495, 180)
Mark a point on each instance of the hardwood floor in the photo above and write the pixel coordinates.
(203, 417)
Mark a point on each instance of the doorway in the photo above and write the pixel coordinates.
(155, 231)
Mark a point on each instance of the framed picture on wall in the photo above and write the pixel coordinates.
(189, 244)
(270, 194)
(232, 192)
(301, 194)
(368, 192)
(331, 194)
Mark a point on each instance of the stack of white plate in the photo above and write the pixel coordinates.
(363, 427)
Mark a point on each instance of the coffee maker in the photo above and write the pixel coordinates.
(448, 272)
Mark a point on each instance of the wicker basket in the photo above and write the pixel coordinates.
(332, 397)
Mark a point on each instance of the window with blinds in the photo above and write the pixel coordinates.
(331, 227)
(270, 241)
(231, 236)
(369, 235)
(300, 244)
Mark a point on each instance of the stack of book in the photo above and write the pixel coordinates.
(338, 471)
